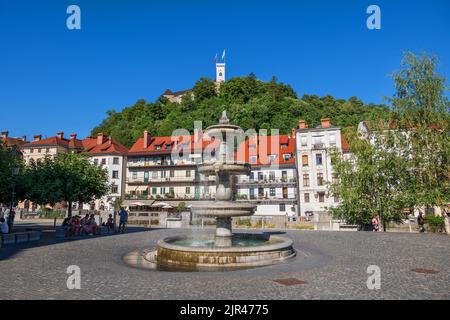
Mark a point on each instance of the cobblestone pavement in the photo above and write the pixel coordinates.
(333, 264)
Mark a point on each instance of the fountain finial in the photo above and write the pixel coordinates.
(224, 119)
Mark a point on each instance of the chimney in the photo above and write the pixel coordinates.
(100, 139)
(292, 133)
(302, 124)
(73, 136)
(24, 138)
(60, 135)
(110, 140)
(325, 122)
(37, 137)
(5, 134)
(147, 139)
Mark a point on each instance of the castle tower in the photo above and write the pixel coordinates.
(220, 72)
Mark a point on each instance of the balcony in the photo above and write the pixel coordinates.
(265, 200)
(318, 146)
(168, 197)
(205, 180)
(164, 164)
(287, 182)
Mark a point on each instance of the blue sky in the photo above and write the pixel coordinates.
(54, 79)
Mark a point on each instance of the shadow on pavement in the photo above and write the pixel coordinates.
(48, 237)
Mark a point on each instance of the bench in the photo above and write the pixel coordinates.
(61, 233)
(21, 237)
(8, 238)
(348, 227)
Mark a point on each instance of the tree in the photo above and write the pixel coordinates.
(10, 159)
(422, 108)
(69, 178)
(204, 89)
(372, 180)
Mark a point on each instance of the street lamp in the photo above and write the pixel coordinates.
(15, 173)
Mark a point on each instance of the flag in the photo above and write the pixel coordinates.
(223, 55)
(215, 58)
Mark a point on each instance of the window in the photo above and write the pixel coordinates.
(261, 192)
(171, 191)
(115, 174)
(252, 176)
(321, 197)
(272, 175)
(304, 160)
(272, 157)
(332, 140)
(154, 190)
(168, 146)
(318, 159)
(96, 162)
(306, 197)
(158, 147)
(253, 159)
(317, 140)
(306, 180)
(304, 141)
(134, 175)
(47, 150)
(155, 175)
(188, 173)
(272, 192)
(114, 189)
(188, 190)
(286, 156)
(284, 176)
(282, 207)
(116, 160)
(252, 193)
(320, 179)
(334, 178)
(31, 150)
(162, 190)
(39, 150)
(260, 176)
(103, 162)
(172, 173)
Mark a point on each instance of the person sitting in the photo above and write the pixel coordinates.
(76, 225)
(110, 223)
(95, 229)
(4, 228)
(85, 224)
(67, 226)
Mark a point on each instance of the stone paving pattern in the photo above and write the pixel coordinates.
(333, 264)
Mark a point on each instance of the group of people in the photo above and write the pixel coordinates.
(420, 222)
(75, 225)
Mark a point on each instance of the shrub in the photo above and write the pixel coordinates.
(435, 223)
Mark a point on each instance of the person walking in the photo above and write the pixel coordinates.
(123, 214)
(374, 224)
(421, 222)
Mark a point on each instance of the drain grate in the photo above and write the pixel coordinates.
(290, 281)
(427, 271)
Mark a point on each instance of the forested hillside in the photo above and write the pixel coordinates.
(250, 103)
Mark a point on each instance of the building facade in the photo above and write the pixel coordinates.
(152, 172)
(314, 168)
(112, 156)
(273, 180)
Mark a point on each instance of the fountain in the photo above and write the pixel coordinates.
(223, 250)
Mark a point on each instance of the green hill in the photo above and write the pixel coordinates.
(250, 103)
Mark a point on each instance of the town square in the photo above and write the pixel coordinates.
(267, 163)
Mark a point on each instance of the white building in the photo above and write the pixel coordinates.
(315, 172)
(112, 156)
(272, 182)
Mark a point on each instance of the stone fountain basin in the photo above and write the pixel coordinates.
(172, 257)
(222, 209)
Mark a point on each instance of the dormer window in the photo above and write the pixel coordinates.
(272, 157)
(168, 146)
(286, 156)
(284, 146)
(253, 159)
(158, 147)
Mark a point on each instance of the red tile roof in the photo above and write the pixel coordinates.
(56, 141)
(344, 144)
(159, 145)
(263, 149)
(13, 141)
(107, 147)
